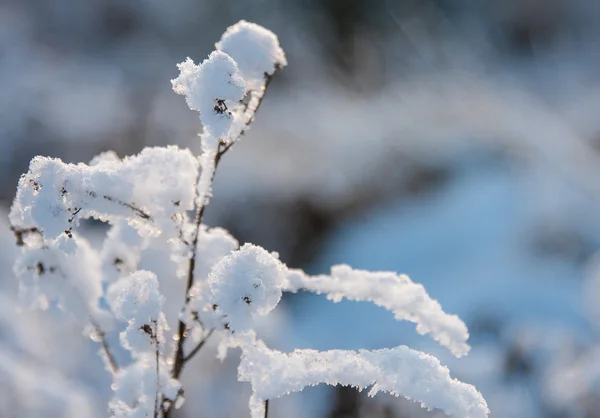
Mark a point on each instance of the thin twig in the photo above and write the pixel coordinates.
(267, 408)
(199, 346)
(138, 211)
(157, 395)
(180, 359)
(20, 233)
(102, 335)
(268, 79)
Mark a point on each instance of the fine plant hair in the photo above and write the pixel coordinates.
(147, 199)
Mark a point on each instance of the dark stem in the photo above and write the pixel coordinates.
(199, 346)
(180, 359)
(267, 408)
(109, 355)
(21, 233)
(157, 395)
(138, 211)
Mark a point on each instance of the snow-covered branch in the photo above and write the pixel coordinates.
(215, 88)
(146, 200)
(407, 300)
(399, 371)
(52, 196)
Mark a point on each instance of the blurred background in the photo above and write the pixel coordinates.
(456, 141)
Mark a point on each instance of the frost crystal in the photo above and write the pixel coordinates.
(255, 49)
(245, 284)
(397, 293)
(211, 88)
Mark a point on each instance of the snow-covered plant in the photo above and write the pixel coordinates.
(146, 199)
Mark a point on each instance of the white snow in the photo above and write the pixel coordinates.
(400, 371)
(146, 199)
(213, 245)
(48, 276)
(255, 49)
(136, 298)
(53, 195)
(211, 88)
(135, 388)
(245, 284)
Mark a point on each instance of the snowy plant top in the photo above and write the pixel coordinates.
(146, 199)
(143, 189)
(255, 49)
(400, 371)
(211, 88)
(136, 298)
(245, 284)
(397, 293)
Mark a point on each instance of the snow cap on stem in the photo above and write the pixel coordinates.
(245, 284)
(211, 88)
(255, 49)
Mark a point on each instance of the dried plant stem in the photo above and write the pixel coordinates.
(110, 358)
(157, 399)
(180, 358)
(21, 233)
(199, 346)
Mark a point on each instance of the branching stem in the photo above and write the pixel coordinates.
(180, 358)
(158, 396)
